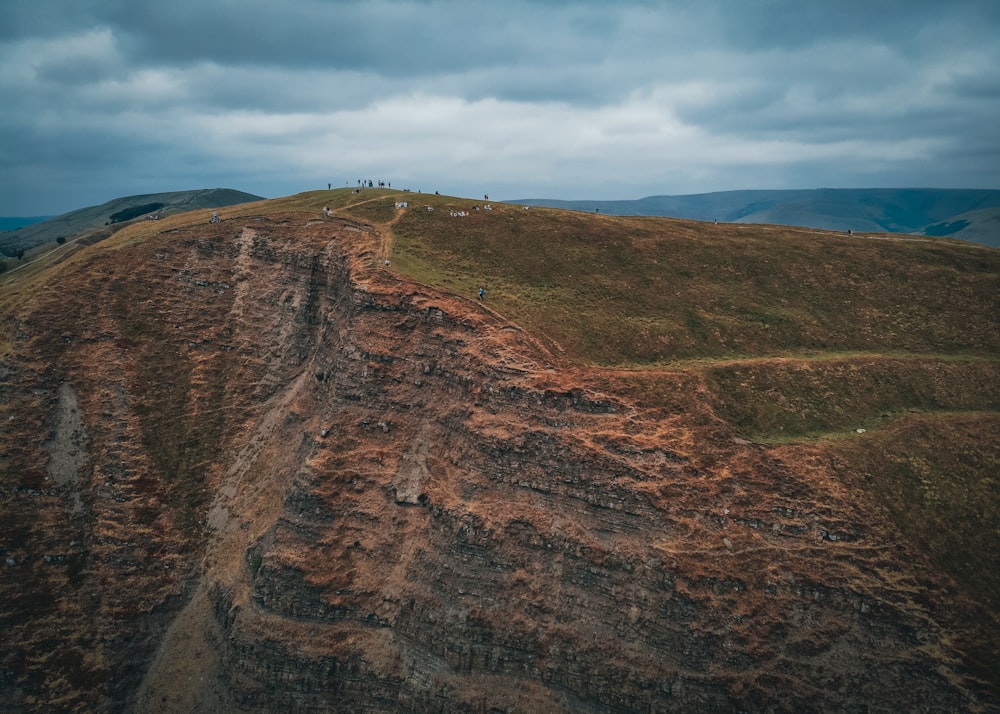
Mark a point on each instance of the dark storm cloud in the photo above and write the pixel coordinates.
(564, 99)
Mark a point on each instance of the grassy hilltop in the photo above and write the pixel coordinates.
(620, 290)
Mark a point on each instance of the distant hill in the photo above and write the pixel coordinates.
(980, 226)
(118, 210)
(969, 214)
(11, 223)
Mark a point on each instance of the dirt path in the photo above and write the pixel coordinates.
(67, 450)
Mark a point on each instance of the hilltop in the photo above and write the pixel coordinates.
(118, 210)
(967, 214)
(291, 460)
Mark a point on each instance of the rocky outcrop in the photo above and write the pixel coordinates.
(304, 482)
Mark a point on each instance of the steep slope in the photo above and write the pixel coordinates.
(280, 473)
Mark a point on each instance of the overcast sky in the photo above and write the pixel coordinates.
(575, 100)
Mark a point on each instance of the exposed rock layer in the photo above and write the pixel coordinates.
(278, 475)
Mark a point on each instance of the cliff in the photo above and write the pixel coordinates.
(276, 472)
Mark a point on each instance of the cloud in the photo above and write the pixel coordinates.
(556, 99)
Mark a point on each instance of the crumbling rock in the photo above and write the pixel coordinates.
(375, 498)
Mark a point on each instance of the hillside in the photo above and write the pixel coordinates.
(981, 226)
(664, 465)
(937, 212)
(117, 210)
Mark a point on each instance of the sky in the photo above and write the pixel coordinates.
(515, 99)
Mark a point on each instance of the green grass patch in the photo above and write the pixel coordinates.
(789, 399)
(637, 290)
(938, 478)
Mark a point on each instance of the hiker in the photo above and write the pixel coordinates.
(482, 293)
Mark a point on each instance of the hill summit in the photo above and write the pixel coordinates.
(294, 459)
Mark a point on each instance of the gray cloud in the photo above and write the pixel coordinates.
(561, 99)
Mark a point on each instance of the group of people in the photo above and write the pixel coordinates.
(462, 214)
(368, 183)
(364, 183)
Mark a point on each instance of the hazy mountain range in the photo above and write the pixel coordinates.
(968, 214)
(12, 223)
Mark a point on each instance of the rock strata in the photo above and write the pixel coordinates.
(279, 476)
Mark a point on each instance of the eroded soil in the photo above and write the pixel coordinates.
(276, 474)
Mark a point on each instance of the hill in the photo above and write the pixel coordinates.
(936, 212)
(290, 460)
(118, 210)
(980, 226)
(10, 223)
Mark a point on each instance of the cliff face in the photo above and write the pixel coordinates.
(275, 474)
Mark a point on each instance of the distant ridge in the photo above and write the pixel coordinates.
(968, 214)
(11, 223)
(118, 210)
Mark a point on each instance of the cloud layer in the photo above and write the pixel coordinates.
(581, 99)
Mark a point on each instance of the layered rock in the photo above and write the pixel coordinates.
(299, 480)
